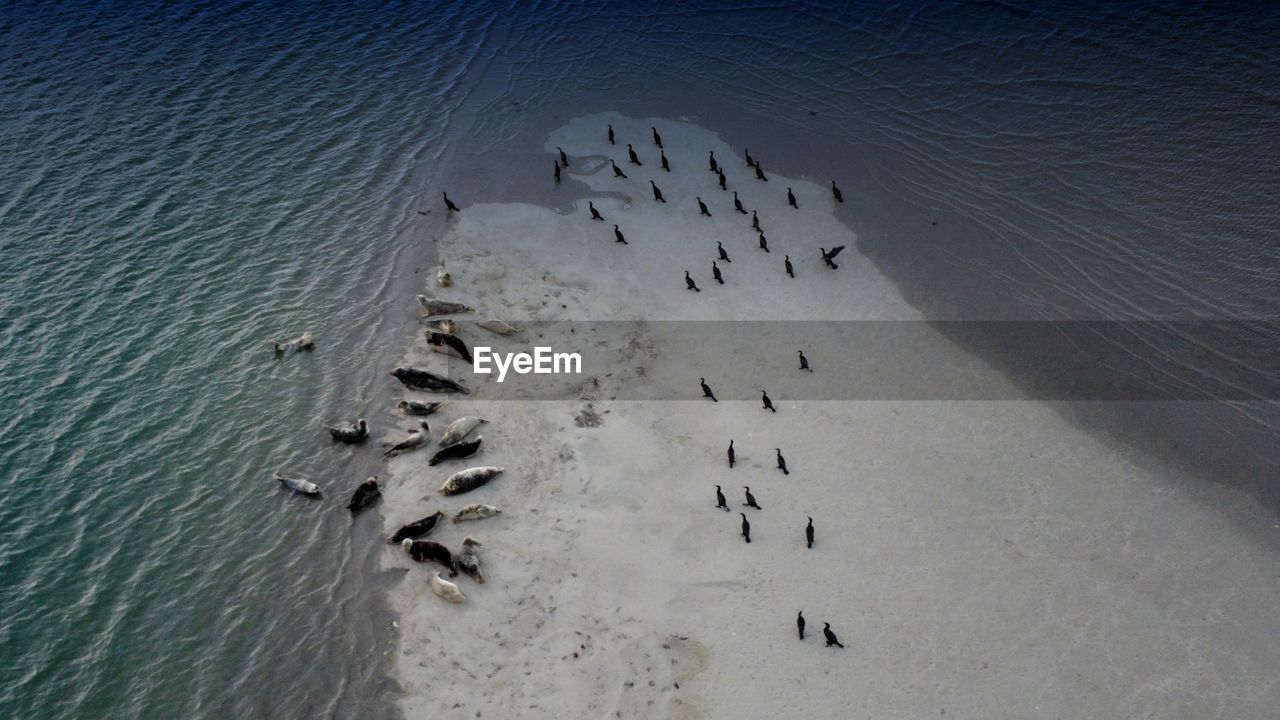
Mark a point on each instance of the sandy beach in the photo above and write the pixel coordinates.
(977, 559)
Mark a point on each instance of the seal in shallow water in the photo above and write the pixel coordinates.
(365, 495)
(353, 433)
(469, 479)
(305, 341)
(417, 528)
(298, 485)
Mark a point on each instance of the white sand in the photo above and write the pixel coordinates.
(986, 559)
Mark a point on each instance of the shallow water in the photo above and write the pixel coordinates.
(185, 182)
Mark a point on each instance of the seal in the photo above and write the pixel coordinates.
(469, 479)
(415, 440)
(476, 511)
(433, 307)
(354, 433)
(444, 326)
(459, 429)
(428, 381)
(298, 485)
(468, 561)
(497, 326)
(413, 407)
(442, 275)
(305, 341)
(417, 528)
(456, 451)
(365, 495)
(448, 344)
(429, 551)
(445, 589)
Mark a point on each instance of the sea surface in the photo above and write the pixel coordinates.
(183, 182)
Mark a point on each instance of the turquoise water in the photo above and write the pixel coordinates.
(184, 182)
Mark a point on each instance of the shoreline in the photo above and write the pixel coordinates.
(579, 496)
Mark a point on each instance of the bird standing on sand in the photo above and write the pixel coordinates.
(702, 208)
(635, 159)
(553, 162)
(617, 171)
(750, 161)
(835, 192)
(611, 134)
(720, 249)
(564, 159)
(720, 501)
(768, 404)
(665, 166)
(760, 173)
(688, 281)
(791, 199)
(782, 462)
(617, 234)
(449, 203)
(751, 499)
(721, 174)
(657, 194)
(715, 272)
(595, 214)
(827, 257)
(737, 204)
(657, 139)
(755, 221)
(706, 392)
(715, 167)
(808, 533)
(800, 623)
(831, 637)
(804, 362)
(733, 456)
(746, 528)
(764, 243)
(786, 261)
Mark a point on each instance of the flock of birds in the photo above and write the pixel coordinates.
(454, 444)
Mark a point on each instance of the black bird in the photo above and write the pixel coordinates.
(617, 171)
(702, 208)
(750, 162)
(715, 272)
(768, 404)
(723, 255)
(715, 168)
(657, 194)
(706, 391)
(751, 499)
(760, 173)
(733, 456)
(557, 170)
(721, 174)
(764, 244)
(617, 234)
(786, 260)
(663, 155)
(800, 623)
(690, 283)
(611, 134)
(804, 362)
(720, 501)
(791, 199)
(635, 160)
(808, 533)
(835, 192)
(831, 637)
(449, 203)
(564, 159)
(755, 220)
(827, 257)
(657, 139)
(746, 527)
(782, 462)
(595, 214)
(737, 204)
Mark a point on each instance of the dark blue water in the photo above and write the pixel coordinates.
(185, 181)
